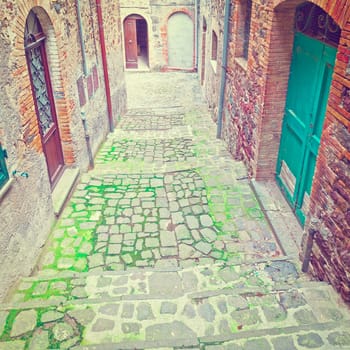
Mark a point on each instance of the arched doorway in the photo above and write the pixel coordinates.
(34, 41)
(180, 41)
(136, 42)
(315, 46)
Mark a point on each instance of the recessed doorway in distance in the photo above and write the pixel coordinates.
(136, 42)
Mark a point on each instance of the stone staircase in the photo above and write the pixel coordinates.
(164, 246)
(262, 305)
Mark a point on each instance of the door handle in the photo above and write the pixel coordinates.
(130, 41)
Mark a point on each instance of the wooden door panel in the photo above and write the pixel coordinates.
(130, 39)
(45, 110)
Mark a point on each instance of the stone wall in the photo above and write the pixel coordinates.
(211, 19)
(252, 120)
(156, 13)
(26, 208)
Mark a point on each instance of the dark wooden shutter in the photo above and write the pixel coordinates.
(3, 170)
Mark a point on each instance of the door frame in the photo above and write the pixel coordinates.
(39, 42)
(296, 197)
(135, 17)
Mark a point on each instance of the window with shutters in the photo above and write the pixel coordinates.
(214, 50)
(4, 176)
(243, 28)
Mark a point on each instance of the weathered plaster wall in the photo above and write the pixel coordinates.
(212, 13)
(26, 209)
(156, 13)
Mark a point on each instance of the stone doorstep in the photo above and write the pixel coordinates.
(63, 189)
(280, 216)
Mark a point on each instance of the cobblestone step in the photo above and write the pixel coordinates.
(47, 289)
(202, 306)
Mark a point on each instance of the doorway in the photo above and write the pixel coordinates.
(43, 97)
(307, 97)
(136, 42)
(180, 41)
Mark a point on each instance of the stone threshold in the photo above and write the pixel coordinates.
(64, 188)
(280, 216)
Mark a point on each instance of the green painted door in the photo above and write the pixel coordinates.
(308, 89)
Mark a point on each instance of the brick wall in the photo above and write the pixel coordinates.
(253, 113)
(26, 209)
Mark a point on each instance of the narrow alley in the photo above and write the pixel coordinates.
(164, 245)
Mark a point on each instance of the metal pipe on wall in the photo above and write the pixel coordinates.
(81, 36)
(104, 63)
(224, 67)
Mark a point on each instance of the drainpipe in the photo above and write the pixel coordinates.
(104, 63)
(196, 34)
(224, 66)
(81, 36)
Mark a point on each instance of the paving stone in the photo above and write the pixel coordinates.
(310, 340)
(206, 220)
(168, 251)
(282, 271)
(13, 345)
(203, 247)
(177, 218)
(339, 339)
(283, 343)
(51, 316)
(68, 344)
(109, 309)
(3, 317)
(128, 310)
(144, 312)
(170, 331)
(165, 284)
(79, 292)
(274, 313)
(127, 258)
(62, 331)
(292, 299)
(82, 316)
(102, 325)
(182, 232)
(147, 254)
(208, 234)
(39, 341)
(151, 242)
(305, 317)
(167, 239)
(103, 282)
(168, 308)
(65, 263)
(254, 344)
(24, 322)
(95, 260)
(207, 312)
(246, 317)
(189, 311)
(131, 327)
(190, 281)
(186, 252)
(192, 222)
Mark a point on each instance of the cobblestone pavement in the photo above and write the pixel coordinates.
(164, 246)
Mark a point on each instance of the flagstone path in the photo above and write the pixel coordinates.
(164, 246)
